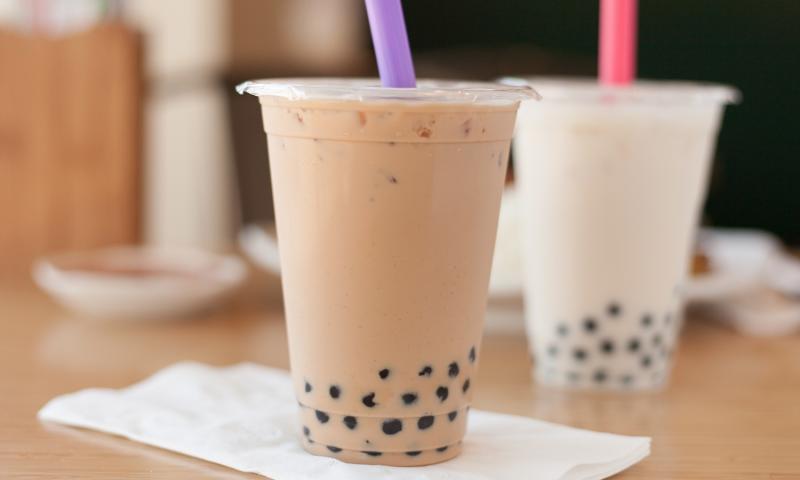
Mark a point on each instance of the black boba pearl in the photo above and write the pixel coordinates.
(657, 340)
(633, 345)
(308, 387)
(414, 453)
(442, 449)
(600, 376)
(383, 373)
(442, 393)
(647, 320)
(350, 422)
(425, 422)
(552, 350)
(573, 376)
(562, 330)
(647, 361)
(306, 431)
(452, 370)
(391, 427)
(607, 346)
(452, 415)
(322, 416)
(369, 400)
(472, 355)
(590, 325)
(426, 371)
(627, 379)
(372, 454)
(334, 449)
(334, 391)
(579, 354)
(614, 309)
(465, 387)
(409, 398)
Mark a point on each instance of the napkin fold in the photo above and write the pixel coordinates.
(243, 417)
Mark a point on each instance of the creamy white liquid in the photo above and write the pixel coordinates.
(610, 199)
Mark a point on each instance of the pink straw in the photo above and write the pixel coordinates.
(390, 40)
(617, 59)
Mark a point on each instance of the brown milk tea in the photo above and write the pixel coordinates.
(386, 217)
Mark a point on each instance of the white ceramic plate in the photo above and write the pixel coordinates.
(139, 282)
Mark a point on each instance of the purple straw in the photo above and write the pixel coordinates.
(390, 40)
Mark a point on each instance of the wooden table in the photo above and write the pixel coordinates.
(731, 411)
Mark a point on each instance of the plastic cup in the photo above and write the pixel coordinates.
(612, 181)
(386, 202)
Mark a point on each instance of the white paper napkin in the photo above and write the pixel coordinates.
(243, 417)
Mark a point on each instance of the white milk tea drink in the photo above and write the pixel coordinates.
(386, 203)
(612, 183)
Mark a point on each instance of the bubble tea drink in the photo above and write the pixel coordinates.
(612, 182)
(386, 203)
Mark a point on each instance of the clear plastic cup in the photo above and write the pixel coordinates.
(386, 202)
(612, 181)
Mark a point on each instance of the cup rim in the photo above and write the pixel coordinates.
(369, 89)
(583, 90)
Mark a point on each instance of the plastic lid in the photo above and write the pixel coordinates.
(587, 90)
(370, 90)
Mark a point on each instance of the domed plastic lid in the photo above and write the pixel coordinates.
(370, 90)
(588, 90)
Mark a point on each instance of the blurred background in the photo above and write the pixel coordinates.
(119, 122)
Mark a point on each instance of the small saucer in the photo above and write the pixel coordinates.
(139, 282)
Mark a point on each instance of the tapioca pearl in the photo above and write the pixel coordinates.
(600, 376)
(350, 422)
(334, 391)
(452, 415)
(646, 320)
(626, 380)
(562, 329)
(590, 325)
(334, 449)
(646, 361)
(579, 354)
(657, 340)
(308, 387)
(306, 431)
(634, 345)
(442, 449)
(614, 309)
(384, 374)
(607, 346)
(465, 386)
(552, 350)
(322, 416)
(369, 400)
(573, 377)
(409, 398)
(472, 355)
(413, 453)
(372, 454)
(392, 427)
(425, 422)
(453, 370)
(442, 392)
(426, 371)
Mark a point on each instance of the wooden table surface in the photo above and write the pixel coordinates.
(732, 409)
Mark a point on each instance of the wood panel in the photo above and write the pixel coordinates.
(70, 114)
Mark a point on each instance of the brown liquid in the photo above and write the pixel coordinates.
(386, 219)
